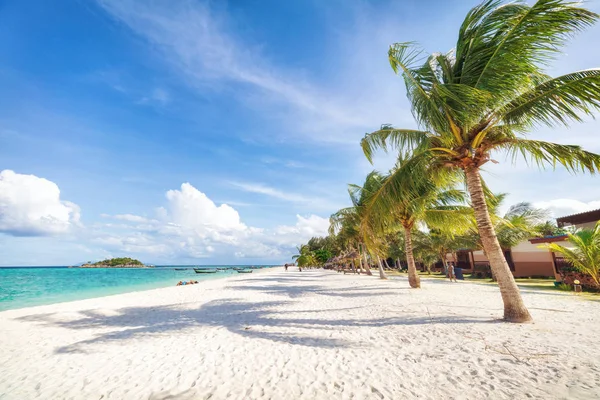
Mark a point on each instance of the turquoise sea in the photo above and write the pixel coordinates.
(33, 286)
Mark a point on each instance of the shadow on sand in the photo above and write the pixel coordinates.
(250, 319)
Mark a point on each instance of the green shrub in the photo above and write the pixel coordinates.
(565, 287)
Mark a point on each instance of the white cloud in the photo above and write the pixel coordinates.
(272, 192)
(127, 217)
(302, 231)
(202, 46)
(31, 206)
(564, 207)
(314, 202)
(191, 208)
(191, 225)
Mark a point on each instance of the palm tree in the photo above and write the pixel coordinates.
(438, 242)
(549, 228)
(585, 256)
(484, 95)
(305, 257)
(410, 195)
(519, 223)
(347, 221)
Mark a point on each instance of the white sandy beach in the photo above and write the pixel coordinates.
(308, 335)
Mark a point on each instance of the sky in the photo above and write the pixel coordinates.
(217, 132)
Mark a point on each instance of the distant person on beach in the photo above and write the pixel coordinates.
(451, 274)
(286, 267)
(183, 283)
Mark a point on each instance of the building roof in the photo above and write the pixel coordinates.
(581, 218)
(548, 239)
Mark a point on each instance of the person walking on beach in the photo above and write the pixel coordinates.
(451, 274)
(286, 266)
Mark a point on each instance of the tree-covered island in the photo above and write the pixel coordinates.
(123, 262)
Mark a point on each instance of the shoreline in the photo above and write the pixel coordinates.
(95, 293)
(309, 335)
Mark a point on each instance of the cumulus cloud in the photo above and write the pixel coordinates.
(190, 208)
(191, 225)
(304, 229)
(31, 206)
(563, 207)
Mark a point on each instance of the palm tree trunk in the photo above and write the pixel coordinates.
(386, 263)
(367, 268)
(360, 269)
(514, 308)
(413, 278)
(445, 264)
(381, 272)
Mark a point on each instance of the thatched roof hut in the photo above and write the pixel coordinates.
(352, 255)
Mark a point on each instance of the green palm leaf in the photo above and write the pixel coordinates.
(557, 100)
(541, 153)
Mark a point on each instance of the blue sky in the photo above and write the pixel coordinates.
(214, 132)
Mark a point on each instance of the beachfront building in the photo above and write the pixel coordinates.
(529, 258)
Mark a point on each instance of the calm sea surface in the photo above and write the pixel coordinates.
(33, 286)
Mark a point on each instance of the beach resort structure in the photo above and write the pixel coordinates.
(530, 258)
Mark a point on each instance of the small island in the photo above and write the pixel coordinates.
(123, 262)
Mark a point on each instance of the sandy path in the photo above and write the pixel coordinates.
(309, 335)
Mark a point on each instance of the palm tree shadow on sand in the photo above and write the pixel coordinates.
(252, 320)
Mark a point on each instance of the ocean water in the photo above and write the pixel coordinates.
(34, 286)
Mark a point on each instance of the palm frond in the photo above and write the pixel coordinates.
(541, 153)
(556, 101)
(455, 220)
(337, 219)
(530, 35)
(404, 58)
(388, 138)
(585, 253)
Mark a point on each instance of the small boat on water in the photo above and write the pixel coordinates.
(181, 269)
(205, 271)
(244, 271)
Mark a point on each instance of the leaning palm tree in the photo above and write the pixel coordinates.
(347, 221)
(411, 195)
(585, 253)
(484, 95)
(373, 242)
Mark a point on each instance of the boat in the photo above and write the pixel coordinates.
(205, 271)
(180, 269)
(244, 271)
